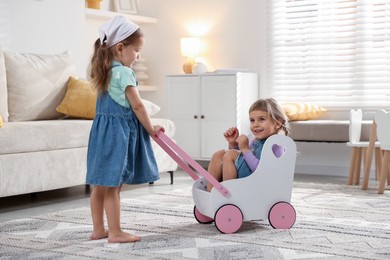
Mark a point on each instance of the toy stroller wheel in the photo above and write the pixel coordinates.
(282, 215)
(202, 218)
(228, 219)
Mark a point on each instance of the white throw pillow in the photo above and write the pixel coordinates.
(151, 108)
(36, 84)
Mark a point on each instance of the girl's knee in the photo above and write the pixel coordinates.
(218, 155)
(230, 155)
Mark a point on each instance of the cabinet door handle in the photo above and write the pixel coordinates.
(202, 116)
(195, 117)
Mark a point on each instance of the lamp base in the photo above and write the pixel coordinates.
(94, 4)
(187, 66)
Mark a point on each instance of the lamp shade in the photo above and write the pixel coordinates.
(190, 46)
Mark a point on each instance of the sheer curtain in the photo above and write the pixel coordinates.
(334, 53)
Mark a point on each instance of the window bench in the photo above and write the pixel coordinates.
(325, 130)
(321, 146)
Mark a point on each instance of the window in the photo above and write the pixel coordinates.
(335, 53)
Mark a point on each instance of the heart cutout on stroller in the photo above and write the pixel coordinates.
(278, 150)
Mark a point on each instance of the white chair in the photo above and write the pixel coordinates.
(359, 147)
(382, 120)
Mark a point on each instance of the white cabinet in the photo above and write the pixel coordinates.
(204, 106)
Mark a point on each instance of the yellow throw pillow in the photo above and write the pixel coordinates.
(79, 100)
(1, 121)
(302, 111)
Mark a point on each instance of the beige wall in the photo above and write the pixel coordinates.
(44, 26)
(235, 38)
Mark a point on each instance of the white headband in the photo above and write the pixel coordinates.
(116, 30)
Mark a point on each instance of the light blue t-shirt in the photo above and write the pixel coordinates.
(121, 78)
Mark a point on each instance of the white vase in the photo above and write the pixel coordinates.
(199, 68)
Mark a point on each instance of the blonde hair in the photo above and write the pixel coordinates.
(101, 62)
(274, 110)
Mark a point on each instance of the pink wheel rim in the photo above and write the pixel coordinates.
(228, 219)
(200, 217)
(282, 215)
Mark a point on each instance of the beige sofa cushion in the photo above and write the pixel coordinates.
(3, 89)
(41, 171)
(45, 135)
(36, 84)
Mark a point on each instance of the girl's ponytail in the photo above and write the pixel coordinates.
(101, 66)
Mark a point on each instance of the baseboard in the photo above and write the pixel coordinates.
(328, 170)
(324, 170)
(326, 159)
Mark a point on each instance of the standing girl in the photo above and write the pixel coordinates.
(242, 158)
(119, 149)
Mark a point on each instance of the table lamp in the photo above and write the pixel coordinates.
(190, 47)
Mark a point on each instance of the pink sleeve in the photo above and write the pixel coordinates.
(251, 160)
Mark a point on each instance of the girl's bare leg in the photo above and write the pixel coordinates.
(112, 207)
(215, 167)
(97, 212)
(228, 167)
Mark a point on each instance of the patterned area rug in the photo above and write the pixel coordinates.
(333, 222)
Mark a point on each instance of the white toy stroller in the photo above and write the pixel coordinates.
(266, 193)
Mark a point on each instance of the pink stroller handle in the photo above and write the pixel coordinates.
(181, 157)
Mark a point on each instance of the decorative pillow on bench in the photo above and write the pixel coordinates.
(297, 111)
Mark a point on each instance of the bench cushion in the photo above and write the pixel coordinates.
(326, 130)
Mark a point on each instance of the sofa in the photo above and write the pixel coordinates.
(41, 146)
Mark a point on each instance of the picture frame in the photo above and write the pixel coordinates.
(126, 6)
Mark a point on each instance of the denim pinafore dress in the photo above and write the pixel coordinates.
(119, 148)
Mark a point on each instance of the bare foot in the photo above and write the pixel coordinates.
(123, 237)
(99, 234)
